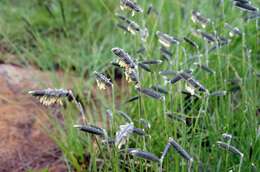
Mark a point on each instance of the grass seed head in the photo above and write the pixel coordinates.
(91, 129)
(196, 17)
(230, 148)
(125, 60)
(123, 134)
(129, 4)
(145, 155)
(150, 93)
(51, 96)
(167, 40)
(102, 81)
(245, 6)
(180, 150)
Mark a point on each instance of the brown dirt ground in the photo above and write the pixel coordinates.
(23, 145)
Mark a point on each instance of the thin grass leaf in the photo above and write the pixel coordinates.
(190, 42)
(126, 117)
(132, 99)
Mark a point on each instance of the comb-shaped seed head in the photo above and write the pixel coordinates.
(51, 96)
(126, 60)
(143, 154)
(91, 129)
(102, 81)
(128, 4)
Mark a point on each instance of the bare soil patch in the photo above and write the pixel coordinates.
(23, 145)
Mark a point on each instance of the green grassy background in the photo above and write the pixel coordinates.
(77, 37)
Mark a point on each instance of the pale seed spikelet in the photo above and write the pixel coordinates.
(51, 96)
(233, 30)
(131, 75)
(102, 81)
(132, 6)
(198, 18)
(167, 40)
(125, 60)
(227, 137)
(123, 134)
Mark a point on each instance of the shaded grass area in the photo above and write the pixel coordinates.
(78, 36)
